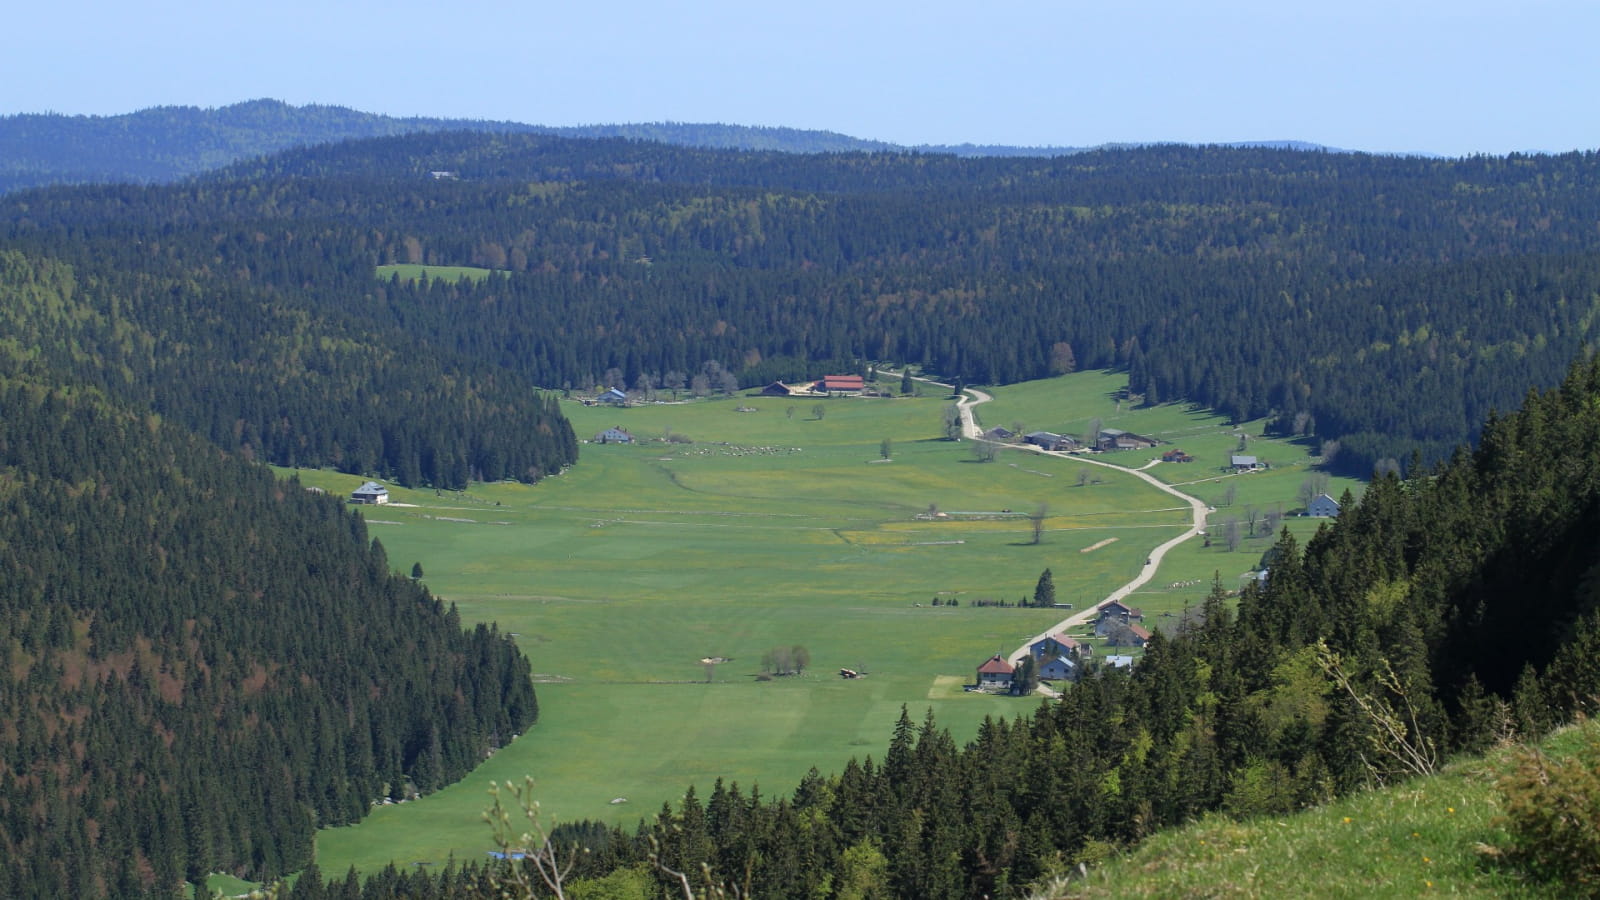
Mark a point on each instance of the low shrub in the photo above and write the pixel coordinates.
(1552, 812)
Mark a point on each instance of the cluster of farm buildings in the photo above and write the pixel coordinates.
(1059, 657)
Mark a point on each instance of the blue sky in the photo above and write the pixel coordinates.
(1401, 75)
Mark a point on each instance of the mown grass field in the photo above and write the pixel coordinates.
(773, 528)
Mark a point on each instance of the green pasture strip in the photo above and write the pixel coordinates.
(619, 576)
(413, 272)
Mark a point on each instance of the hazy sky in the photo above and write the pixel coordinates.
(1455, 77)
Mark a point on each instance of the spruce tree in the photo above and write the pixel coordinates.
(1044, 593)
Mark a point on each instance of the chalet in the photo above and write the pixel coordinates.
(1048, 440)
(779, 389)
(1141, 635)
(617, 435)
(1059, 668)
(1117, 439)
(1176, 456)
(840, 384)
(371, 493)
(1245, 463)
(1058, 645)
(613, 397)
(995, 673)
(1116, 609)
(1323, 506)
(1114, 613)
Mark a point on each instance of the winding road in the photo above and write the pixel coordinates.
(972, 397)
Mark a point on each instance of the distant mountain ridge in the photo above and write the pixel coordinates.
(169, 143)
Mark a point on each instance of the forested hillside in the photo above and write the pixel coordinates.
(1381, 304)
(200, 664)
(1438, 615)
(290, 362)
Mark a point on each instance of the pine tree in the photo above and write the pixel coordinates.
(1044, 593)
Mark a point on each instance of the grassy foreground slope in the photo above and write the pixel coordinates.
(773, 528)
(1435, 835)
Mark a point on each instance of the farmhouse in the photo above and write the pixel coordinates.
(1117, 439)
(1176, 455)
(1059, 668)
(370, 493)
(613, 397)
(840, 384)
(999, 433)
(1116, 612)
(779, 389)
(1323, 506)
(1139, 635)
(615, 435)
(1059, 645)
(1049, 440)
(1245, 463)
(995, 673)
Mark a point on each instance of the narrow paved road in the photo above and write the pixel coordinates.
(969, 427)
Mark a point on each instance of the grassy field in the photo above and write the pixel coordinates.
(412, 271)
(775, 527)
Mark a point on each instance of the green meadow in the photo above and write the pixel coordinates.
(773, 522)
(413, 271)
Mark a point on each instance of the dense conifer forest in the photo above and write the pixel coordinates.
(1380, 304)
(200, 664)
